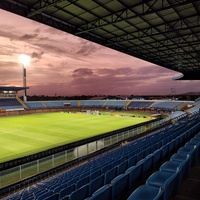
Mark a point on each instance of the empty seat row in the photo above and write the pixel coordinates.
(166, 182)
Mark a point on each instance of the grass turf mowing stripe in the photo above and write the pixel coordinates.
(28, 134)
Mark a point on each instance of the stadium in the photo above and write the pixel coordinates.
(106, 149)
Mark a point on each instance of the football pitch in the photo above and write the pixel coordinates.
(28, 134)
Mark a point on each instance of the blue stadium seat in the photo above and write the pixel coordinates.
(145, 192)
(114, 164)
(159, 145)
(171, 145)
(73, 181)
(110, 175)
(148, 163)
(134, 173)
(165, 150)
(95, 174)
(195, 142)
(83, 175)
(179, 157)
(192, 151)
(119, 185)
(140, 156)
(123, 158)
(106, 168)
(67, 191)
(80, 194)
(103, 193)
(52, 197)
(166, 180)
(132, 161)
(177, 142)
(122, 167)
(172, 166)
(82, 182)
(157, 155)
(149, 150)
(44, 195)
(197, 136)
(153, 148)
(96, 184)
(59, 188)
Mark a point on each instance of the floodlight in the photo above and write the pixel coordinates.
(25, 59)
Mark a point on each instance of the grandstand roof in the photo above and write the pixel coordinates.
(12, 88)
(164, 32)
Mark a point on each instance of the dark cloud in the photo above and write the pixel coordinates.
(104, 81)
(36, 56)
(86, 48)
(115, 72)
(82, 72)
(50, 47)
(28, 36)
(33, 37)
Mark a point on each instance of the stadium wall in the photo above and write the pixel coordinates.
(31, 111)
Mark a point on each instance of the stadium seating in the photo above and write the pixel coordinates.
(167, 181)
(73, 103)
(10, 103)
(115, 103)
(53, 104)
(194, 109)
(133, 104)
(165, 105)
(92, 103)
(139, 104)
(178, 114)
(34, 104)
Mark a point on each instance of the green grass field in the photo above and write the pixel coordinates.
(28, 134)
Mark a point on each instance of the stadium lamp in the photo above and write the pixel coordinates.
(25, 60)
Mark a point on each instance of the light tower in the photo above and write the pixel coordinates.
(25, 60)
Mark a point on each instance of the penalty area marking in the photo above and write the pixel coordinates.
(13, 131)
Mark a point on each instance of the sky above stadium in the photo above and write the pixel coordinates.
(63, 64)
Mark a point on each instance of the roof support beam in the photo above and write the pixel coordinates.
(44, 5)
(126, 14)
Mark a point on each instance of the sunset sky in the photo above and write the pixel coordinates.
(64, 64)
